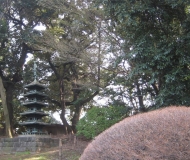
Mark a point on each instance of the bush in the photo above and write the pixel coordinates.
(97, 120)
(156, 135)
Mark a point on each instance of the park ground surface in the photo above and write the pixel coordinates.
(70, 151)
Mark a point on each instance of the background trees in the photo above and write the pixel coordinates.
(156, 47)
(98, 119)
(72, 56)
(134, 53)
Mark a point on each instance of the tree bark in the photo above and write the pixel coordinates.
(5, 109)
(9, 98)
(67, 127)
(76, 118)
(140, 98)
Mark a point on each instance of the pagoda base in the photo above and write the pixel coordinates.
(30, 143)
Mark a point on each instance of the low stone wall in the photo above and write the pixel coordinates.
(31, 144)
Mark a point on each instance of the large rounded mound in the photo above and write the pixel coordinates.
(157, 135)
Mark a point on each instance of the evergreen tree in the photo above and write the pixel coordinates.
(156, 48)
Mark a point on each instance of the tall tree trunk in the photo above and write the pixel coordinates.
(9, 98)
(76, 118)
(67, 127)
(5, 109)
(140, 98)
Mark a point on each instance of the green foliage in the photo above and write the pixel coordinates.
(156, 39)
(71, 51)
(98, 119)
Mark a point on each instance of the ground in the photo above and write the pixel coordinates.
(70, 151)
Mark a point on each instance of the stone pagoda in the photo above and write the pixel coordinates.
(34, 102)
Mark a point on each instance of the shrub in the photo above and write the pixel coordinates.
(97, 120)
(161, 134)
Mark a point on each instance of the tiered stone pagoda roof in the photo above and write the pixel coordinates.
(34, 93)
(34, 102)
(35, 83)
(27, 103)
(41, 113)
(34, 123)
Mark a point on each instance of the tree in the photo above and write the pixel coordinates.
(16, 32)
(5, 108)
(73, 56)
(98, 119)
(156, 48)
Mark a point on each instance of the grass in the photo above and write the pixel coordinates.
(37, 158)
(71, 155)
(22, 153)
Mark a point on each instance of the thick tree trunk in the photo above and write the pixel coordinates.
(67, 127)
(76, 118)
(9, 98)
(5, 109)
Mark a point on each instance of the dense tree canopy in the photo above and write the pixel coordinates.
(72, 56)
(133, 52)
(156, 48)
(97, 120)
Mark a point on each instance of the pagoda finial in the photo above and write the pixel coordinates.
(35, 75)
